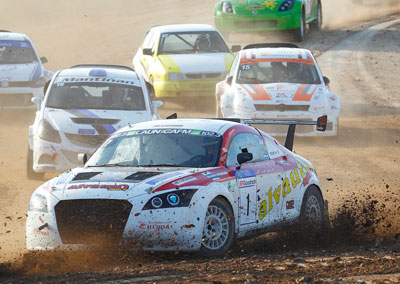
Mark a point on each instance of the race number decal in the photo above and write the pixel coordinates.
(247, 184)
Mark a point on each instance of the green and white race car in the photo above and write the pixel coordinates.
(268, 15)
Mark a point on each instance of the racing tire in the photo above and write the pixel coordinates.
(218, 111)
(312, 214)
(298, 34)
(30, 174)
(219, 228)
(317, 24)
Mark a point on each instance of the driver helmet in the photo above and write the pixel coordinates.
(210, 145)
(203, 42)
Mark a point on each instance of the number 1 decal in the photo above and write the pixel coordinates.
(248, 200)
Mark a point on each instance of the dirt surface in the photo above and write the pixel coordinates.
(359, 50)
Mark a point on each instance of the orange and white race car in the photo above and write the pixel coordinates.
(278, 81)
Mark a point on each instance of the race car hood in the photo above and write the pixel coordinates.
(279, 93)
(262, 7)
(125, 183)
(92, 122)
(20, 72)
(196, 63)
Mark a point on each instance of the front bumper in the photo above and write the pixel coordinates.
(257, 23)
(19, 97)
(185, 88)
(163, 229)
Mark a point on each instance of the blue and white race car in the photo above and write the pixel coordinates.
(179, 184)
(82, 107)
(22, 75)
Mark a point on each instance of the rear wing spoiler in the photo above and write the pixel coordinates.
(320, 123)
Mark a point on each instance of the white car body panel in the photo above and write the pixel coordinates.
(181, 227)
(16, 80)
(279, 100)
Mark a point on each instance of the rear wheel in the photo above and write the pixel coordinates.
(317, 24)
(312, 214)
(298, 34)
(219, 227)
(30, 174)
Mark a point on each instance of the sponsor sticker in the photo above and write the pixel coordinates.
(111, 187)
(184, 181)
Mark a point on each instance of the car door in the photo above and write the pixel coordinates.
(253, 180)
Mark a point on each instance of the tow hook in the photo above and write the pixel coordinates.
(45, 225)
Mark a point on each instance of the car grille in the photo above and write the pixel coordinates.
(20, 84)
(203, 75)
(91, 221)
(281, 107)
(256, 24)
(71, 156)
(86, 140)
(16, 100)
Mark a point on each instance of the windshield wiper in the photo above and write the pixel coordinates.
(157, 165)
(109, 165)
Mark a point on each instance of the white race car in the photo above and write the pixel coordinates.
(278, 83)
(82, 107)
(22, 75)
(178, 184)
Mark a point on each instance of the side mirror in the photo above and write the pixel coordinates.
(236, 48)
(229, 80)
(244, 157)
(82, 158)
(157, 104)
(43, 59)
(37, 101)
(326, 80)
(147, 51)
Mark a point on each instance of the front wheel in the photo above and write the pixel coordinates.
(312, 214)
(219, 227)
(317, 24)
(298, 34)
(30, 174)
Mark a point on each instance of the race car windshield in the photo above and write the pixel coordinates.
(191, 42)
(160, 147)
(95, 95)
(16, 52)
(266, 72)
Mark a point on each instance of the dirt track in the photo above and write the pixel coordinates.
(359, 169)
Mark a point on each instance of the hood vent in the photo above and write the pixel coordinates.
(142, 175)
(86, 176)
(100, 121)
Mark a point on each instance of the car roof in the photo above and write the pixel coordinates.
(184, 28)
(4, 35)
(203, 124)
(87, 71)
(276, 52)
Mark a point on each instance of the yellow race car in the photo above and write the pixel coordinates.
(184, 60)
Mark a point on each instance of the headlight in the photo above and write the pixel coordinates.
(180, 198)
(175, 76)
(47, 132)
(39, 82)
(38, 203)
(227, 7)
(287, 5)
